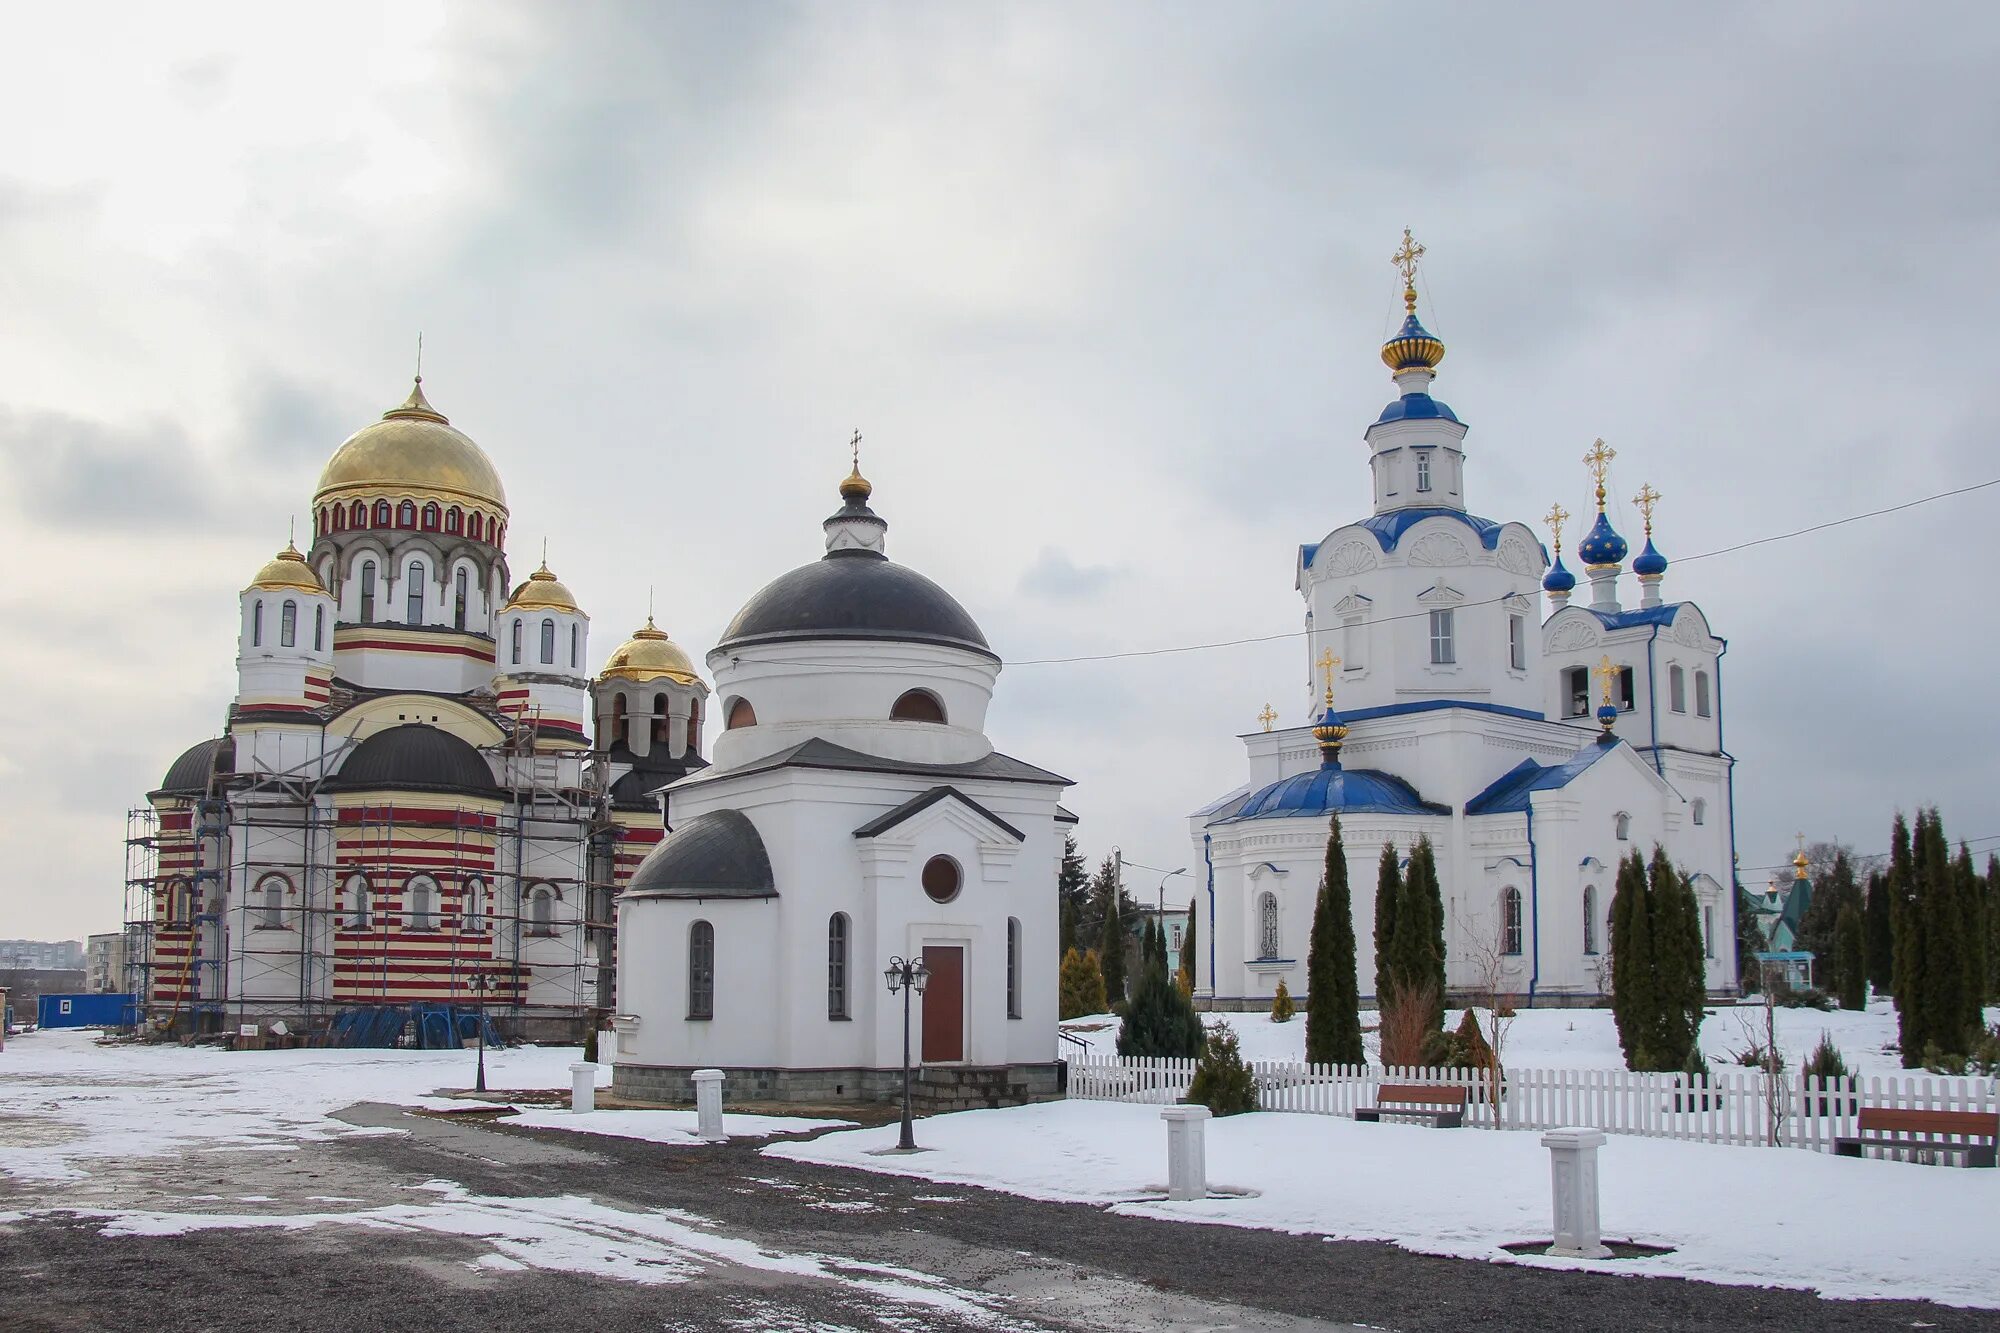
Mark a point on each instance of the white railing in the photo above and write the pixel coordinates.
(1730, 1106)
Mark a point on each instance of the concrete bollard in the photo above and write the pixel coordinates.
(583, 1086)
(1187, 1151)
(708, 1106)
(1573, 1176)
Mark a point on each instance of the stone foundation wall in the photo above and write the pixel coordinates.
(675, 1083)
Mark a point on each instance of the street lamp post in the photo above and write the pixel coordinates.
(480, 981)
(1163, 891)
(907, 975)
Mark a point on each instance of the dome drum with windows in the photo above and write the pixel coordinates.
(412, 470)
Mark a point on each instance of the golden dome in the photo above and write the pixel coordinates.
(412, 448)
(856, 486)
(542, 592)
(288, 569)
(650, 655)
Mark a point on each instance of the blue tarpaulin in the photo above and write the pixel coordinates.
(86, 1011)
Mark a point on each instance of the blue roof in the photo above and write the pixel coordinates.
(1434, 705)
(1645, 615)
(1330, 788)
(1509, 795)
(1602, 545)
(1416, 407)
(1390, 527)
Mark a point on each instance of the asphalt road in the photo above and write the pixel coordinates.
(752, 1243)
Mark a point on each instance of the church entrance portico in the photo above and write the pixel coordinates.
(944, 1004)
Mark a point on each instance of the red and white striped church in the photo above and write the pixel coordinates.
(421, 794)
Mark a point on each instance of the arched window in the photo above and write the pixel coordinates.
(836, 966)
(1590, 918)
(701, 970)
(406, 514)
(1702, 706)
(917, 706)
(458, 592)
(542, 910)
(319, 629)
(660, 719)
(355, 891)
(340, 518)
(413, 593)
(420, 896)
(1510, 921)
(472, 911)
(1621, 823)
(454, 519)
(1013, 967)
(1268, 941)
(1700, 810)
(1677, 692)
(473, 526)
(357, 515)
(270, 900)
(382, 513)
(288, 624)
(694, 724)
(548, 641)
(942, 879)
(177, 907)
(741, 714)
(431, 516)
(517, 641)
(575, 644)
(367, 592)
(257, 623)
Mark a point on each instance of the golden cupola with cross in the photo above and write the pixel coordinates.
(1416, 444)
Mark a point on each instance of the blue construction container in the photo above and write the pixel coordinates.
(87, 1011)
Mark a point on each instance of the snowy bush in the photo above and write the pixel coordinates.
(1222, 1082)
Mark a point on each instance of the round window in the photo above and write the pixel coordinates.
(942, 879)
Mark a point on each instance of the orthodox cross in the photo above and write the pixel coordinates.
(1555, 518)
(1327, 662)
(1405, 262)
(1646, 499)
(1268, 716)
(1606, 672)
(855, 445)
(1598, 460)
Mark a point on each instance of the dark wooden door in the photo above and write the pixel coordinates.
(944, 1003)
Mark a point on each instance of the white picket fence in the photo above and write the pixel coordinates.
(1730, 1106)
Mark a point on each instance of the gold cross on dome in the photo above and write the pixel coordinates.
(1646, 499)
(1405, 261)
(1555, 518)
(1605, 671)
(854, 445)
(1327, 662)
(1268, 716)
(1598, 460)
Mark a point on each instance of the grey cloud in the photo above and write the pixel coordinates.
(1056, 577)
(69, 470)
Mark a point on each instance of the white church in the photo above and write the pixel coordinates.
(1533, 751)
(853, 812)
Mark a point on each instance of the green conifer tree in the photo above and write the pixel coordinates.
(1992, 887)
(1388, 893)
(1682, 986)
(1111, 952)
(1072, 894)
(1416, 950)
(1944, 972)
(1850, 953)
(1333, 1000)
(1881, 941)
(1907, 931)
(1971, 908)
(1082, 985)
(1159, 1021)
(1190, 960)
(1634, 989)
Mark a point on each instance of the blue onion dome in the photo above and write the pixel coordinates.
(1650, 561)
(1558, 579)
(1413, 348)
(1607, 717)
(1602, 545)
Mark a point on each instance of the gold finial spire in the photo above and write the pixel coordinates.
(1598, 460)
(1607, 671)
(1555, 518)
(1326, 663)
(1646, 499)
(1799, 862)
(1405, 262)
(856, 486)
(1268, 716)
(420, 356)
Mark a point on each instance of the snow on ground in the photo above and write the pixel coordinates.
(670, 1127)
(1746, 1216)
(1586, 1038)
(66, 1099)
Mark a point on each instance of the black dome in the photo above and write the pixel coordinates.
(415, 757)
(188, 775)
(716, 855)
(855, 595)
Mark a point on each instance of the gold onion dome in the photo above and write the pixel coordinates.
(650, 655)
(1413, 347)
(855, 486)
(413, 448)
(542, 591)
(288, 569)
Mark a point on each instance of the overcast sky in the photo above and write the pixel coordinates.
(1102, 286)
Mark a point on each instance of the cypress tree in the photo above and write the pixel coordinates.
(1634, 991)
(1333, 999)
(1072, 893)
(1906, 929)
(1111, 952)
(1850, 952)
(1880, 939)
(1992, 927)
(1679, 965)
(1189, 957)
(1388, 893)
(1943, 940)
(1972, 931)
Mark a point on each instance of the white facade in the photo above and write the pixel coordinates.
(1471, 720)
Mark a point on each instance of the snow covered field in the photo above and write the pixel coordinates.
(1747, 1216)
(1587, 1038)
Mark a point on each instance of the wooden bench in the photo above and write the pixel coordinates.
(1921, 1131)
(1443, 1107)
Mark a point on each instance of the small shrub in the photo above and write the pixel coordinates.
(1825, 1061)
(1945, 1062)
(1794, 997)
(1408, 1019)
(1759, 1056)
(1467, 1047)
(1986, 1052)
(1282, 1007)
(1222, 1082)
